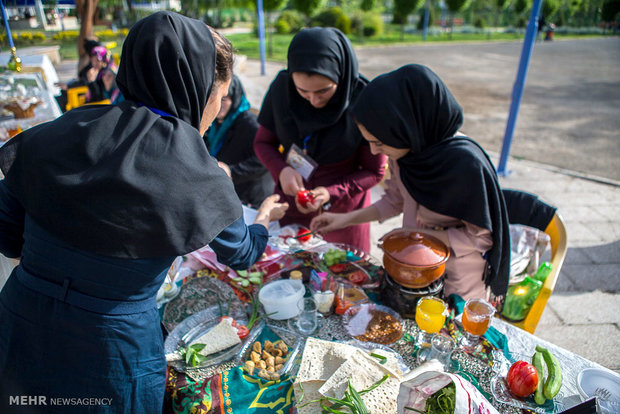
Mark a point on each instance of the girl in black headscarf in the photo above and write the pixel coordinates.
(442, 181)
(230, 139)
(306, 111)
(97, 204)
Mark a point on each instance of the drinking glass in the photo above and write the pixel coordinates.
(430, 315)
(441, 349)
(477, 315)
(307, 321)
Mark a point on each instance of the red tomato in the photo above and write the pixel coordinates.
(357, 277)
(522, 379)
(304, 197)
(242, 331)
(303, 235)
(338, 267)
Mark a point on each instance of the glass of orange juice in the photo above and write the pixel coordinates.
(477, 315)
(430, 315)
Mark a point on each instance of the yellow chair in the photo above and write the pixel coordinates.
(525, 208)
(77, 97)
(557, 232)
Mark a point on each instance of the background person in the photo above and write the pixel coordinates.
(443, 182)
(230, 139)
(98, 217)
(101, 76)
(306, 111)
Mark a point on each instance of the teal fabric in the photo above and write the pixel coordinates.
(217, 132)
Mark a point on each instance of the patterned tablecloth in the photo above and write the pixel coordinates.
(226, 388)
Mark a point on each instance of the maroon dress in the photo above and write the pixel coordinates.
(348, 183)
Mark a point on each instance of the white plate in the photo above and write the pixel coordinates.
(499, 387)
(595, 382)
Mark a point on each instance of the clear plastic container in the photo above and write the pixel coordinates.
(280, 298)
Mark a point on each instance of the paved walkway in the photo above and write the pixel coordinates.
(583, 314)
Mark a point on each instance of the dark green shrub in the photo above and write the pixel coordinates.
(293, 20)
(479, 23)
(333, 17)
(373, 25)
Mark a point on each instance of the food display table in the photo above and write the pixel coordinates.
(25, 89)
(226, 387)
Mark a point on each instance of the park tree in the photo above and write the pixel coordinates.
(549, 8)
(270, 7)
(307, 7)
(500, 6)
(455, 6)
(610, 12)
(86, 10)
(402, 9)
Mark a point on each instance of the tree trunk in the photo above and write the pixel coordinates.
(86, 10)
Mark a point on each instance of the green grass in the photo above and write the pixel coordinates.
(247, 44)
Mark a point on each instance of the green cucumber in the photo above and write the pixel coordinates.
(554, 379)
(538, 362)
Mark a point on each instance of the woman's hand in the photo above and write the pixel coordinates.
(291, 181)
(321, 196)
(270, 210)
(326, 222)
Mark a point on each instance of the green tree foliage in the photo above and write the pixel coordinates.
(290, 21)
(307, 7)
(610, 11)
(333, 17)
(367, 5)
(520, 6)
(402, 9)
(431, 17)
(549, 8)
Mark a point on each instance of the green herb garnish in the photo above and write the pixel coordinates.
(192, 355)
(381, 358)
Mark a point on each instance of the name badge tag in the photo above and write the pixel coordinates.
(300, 162)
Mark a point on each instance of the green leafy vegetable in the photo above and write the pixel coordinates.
(381, 358)
(192, 355)
(443, 401)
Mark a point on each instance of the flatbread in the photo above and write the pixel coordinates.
(321, 358)
(221, 336)
(310, 393)
(363, 371)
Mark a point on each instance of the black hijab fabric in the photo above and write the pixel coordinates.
(121, 180)
(235, 92)
(452, 175)
(327, 52)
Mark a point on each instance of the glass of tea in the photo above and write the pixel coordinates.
(430, 315)
(477, 315)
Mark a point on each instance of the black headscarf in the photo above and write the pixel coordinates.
(236, 93)
(327, 52)
(123, 181)
(412, 108)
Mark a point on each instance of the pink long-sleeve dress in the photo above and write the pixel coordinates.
(348, 183)
(468, 243)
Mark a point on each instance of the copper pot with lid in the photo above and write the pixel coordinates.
(414, 259)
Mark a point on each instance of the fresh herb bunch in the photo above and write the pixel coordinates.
(443, 401)
(192, 355)
(352, 400)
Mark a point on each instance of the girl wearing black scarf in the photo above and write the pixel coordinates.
(230, 139)
(307, 105)
(443, 181)
(97, 204)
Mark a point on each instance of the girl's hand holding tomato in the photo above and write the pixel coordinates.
(321, 196)
(291, 181)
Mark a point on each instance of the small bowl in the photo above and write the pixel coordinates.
(357, 320)
(605, 385)
(280, 298)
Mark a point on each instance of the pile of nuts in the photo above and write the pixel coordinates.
(267, 358)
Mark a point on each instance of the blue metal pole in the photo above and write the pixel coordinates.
(261, 34)
(6, 25)
(426, 17)
(517, 91)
